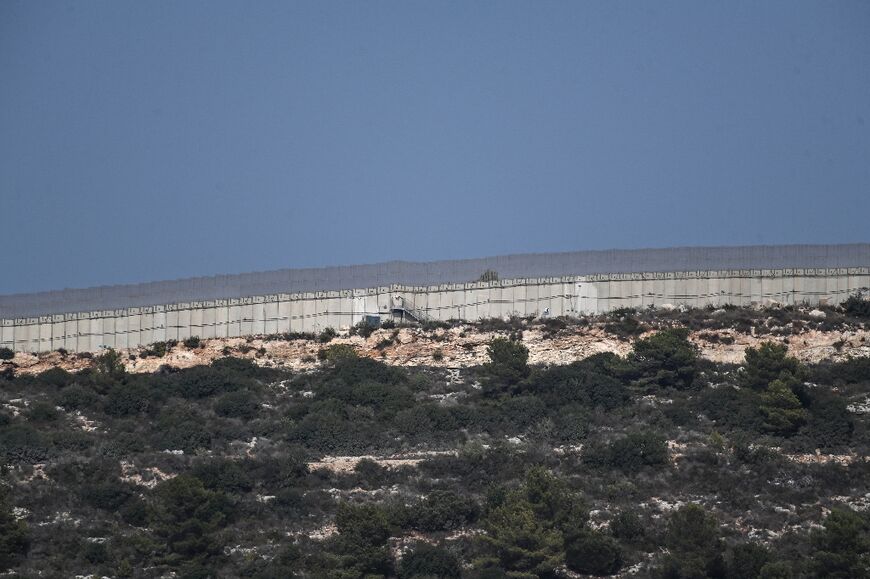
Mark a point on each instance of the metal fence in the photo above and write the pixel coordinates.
(434, 273)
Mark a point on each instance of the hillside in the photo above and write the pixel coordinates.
(657, 443)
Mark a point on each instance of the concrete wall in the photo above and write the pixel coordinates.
(314, 311)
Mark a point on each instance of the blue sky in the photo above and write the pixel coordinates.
(155, 140)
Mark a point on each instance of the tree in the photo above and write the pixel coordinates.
(14, 538)
(508, 364)
(187, 518)
(747, 560)
(429, 561)
(782, 410)
(666, 359)
(769, 362)
(842, 549)
(361, 545)
(695, 545)
(592, 553)
(523, 544)
(526, 527)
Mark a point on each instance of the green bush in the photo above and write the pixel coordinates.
(857, 306)
(187, 518)
(592, 553)
(14, 538)
(239, 404)
(192, 343)
(508, 365)
(430, 561)
(769, 362)
(327, 335)
(666, 359)
(842, 549)
(6, 353)
(693, 538)
(631, 453)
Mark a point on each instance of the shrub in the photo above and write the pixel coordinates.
(327, 335)
(14, 538)
(631, 453)
(127, 399)
(239, 404)
(747, 560)
(57, 377)
(6, 353)
(363, 329)
(592, 553)
(626, 525)
(766, 363)
(443, 511)
(22, 443)
(693, 538)
(224, 475)
(589, 382)
(192, 343)
(857, 306)
(429, 561)
(666, 359)
(508, 364)
(42, 412)
(187, 518)
(841, 549)
(157, 350)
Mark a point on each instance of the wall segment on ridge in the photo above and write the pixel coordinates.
(312, 311)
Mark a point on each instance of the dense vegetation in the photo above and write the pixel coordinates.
(661, 462)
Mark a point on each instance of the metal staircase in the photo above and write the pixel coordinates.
(404, 308)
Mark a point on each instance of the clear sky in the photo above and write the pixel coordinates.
(153, 140)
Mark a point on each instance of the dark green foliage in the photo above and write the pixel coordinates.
(693, 538)
(181, 428)
(187, 518)
(591, 382)
(21, 443)
(157, 349)
(362, 539)
(42, 412)
(14, 538)
(327, 335)
(592, 553)
(57, 377)
(631, 453)
(769, 362)
(429, 561)
(442, 511)
(624, 324)
(364, 329)
(849, 371)
(77, 397)
(666, 359)
(109, 364)
(128, 399)
(508, 365)
(526, 526)
(857, 306)
(192, 343)
(204, 381)
(240, 404)
(627, 526)
(842, 549)
(782, 410)
(747, 560)
(6, 353)
(229, 476)
(830, 424)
